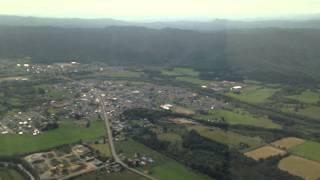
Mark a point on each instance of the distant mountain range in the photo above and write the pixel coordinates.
(218, 24)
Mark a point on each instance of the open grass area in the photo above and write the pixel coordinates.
(164, 168)
(227, 137)
(309, 150)
(171, 137)
(104, 149)
(254, 94)
(295, 165)
(307, 96)
(67, 133)
(240, 116)
(10, 174)
(180, 72)
(265, 152)
(123, 175)
(193, 80)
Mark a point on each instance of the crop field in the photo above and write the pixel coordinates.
(295, 165)
(254, 94)
(67, 133)
(10, 174)
(180, 72)
(309, 150)
(104, 149)
(264, 152)
(171, 137)
(308, 96)
(164, 167)
(239, 116)
(227, 137)
(287, 143)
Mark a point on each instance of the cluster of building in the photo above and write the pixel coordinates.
(139, 160)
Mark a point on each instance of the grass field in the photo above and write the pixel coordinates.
(264, 152)
(164, 168)
(183, 110)
(227, 137)
(239, 116)
(180, 72)
(171, 137)
(65, 134)
(193, 80)
(254, 94)
(10, 174)
(124, 175)
(307, 96)
(295, 165)
(104, 149)
(287, 143)
(309, 150)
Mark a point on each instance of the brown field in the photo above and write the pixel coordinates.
(264, 152)
(287, 143)
(295, 165)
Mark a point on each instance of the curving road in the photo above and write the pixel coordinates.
(113, 150)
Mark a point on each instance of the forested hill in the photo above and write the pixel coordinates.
(264, 54)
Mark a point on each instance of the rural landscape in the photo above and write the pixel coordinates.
(159, 92)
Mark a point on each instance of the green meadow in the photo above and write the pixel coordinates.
(254, 94)
(309, 150)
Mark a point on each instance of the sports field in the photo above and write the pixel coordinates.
(295, 165)
(67, 133)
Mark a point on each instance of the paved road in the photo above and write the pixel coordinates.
(113, 150)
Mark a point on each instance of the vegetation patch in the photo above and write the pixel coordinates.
(67, 133)
(104, 149)
(180, 72)
(8, 174)
(308, 96)
(254, 94)
(193, 80)
(171, 137)
(265, 152)
(287, 143)
(183, 110)
(295, 165)
(309, 150)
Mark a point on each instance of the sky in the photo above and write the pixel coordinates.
(145, 10)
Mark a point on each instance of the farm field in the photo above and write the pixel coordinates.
(163, 167)
(309, 150)
(295, 165)
(264, 152)
(10, 174)
(183, 110)
(308, 96)
(311, 111)
(180, 72)
(124, 175)
(67, 133)
(287, 143)
(239, 116)
(104, 149)
(227, 137)
(171, 137)
(254, 94)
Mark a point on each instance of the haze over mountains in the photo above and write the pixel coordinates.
(272, 50)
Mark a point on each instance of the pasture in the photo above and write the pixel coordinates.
(309, 150)
(308, 96)
(265, 152)
(287, 143)
(295, 165)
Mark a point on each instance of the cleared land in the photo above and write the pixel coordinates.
(163, 167)
(227, 137)
(67, 133)
(309, 150)
(254, 94)
(264, 152)
(104, 149)
(287, 143)
(295, 165)
(10, 174)
(239, 116)
(307, 96)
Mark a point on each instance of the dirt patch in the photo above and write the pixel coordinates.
(287, 143)
(295, 165)
(265, 152)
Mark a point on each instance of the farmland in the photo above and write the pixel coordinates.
(227, 137)
(287, 143)
(180, 72)
(171, 137)
(8, 174)
(124, 175)
(264, 152)
(309, 170)
(308, 96)
(309, 150)
(239, 116)
(104, 149)
(67, 133)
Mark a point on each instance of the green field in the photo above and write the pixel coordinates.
(171, 137)
(254, 94)
(164, 168)
(307, 96)
(241, 117)
(309, 150)
(10, 174)
(193, 80)
(123, 175)
(310, 111)
(180, 72)
(67, 133)
(104, 149)
(227, 137)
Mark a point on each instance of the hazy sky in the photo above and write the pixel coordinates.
(160, 9)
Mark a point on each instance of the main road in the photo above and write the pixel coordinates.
(112, 147)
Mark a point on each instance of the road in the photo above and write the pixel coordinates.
(113, 150)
